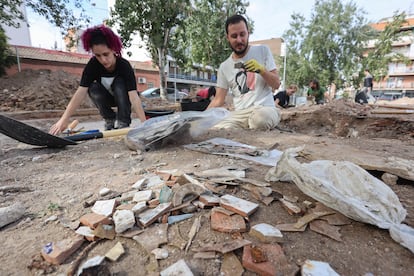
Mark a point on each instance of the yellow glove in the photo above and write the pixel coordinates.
(253, 66)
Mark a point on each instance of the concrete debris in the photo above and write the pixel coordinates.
(142, 196)
(87, 232)
(317, 268)
(266, 233)
(151, 215)
(179, 268)
(104, 231)
(11, 213)
(115, 252)
(104, 207)
(104, 191)
(186, 190)
(231, 265)
(123, 220)
(155, 236)
(242, 207)
(160, 253)
(92, 267)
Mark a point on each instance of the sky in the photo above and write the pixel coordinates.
(271, 18)
(44, 35)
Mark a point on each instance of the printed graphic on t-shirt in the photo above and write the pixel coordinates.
(107, 83)
(245, 81)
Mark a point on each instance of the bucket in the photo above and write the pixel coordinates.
(301, 101)
(195, 106)
(157, 113)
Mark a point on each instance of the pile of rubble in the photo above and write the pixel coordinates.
(160, 200)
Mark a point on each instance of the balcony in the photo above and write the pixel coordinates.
(184, 78)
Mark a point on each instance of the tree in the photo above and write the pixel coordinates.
(60, 13)
(154, 21)
(330, 47)
(202, 37)
(381, 55)
(6, 59)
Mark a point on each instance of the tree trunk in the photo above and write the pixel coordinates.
(163, 81)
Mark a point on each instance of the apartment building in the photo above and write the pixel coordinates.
(400, 77)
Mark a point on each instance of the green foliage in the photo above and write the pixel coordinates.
(60, 13)
(6, 58)
(154, 21)
(381, 55)
(329, 47)
(202, 37)
(53, 207)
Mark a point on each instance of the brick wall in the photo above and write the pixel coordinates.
(44, 59)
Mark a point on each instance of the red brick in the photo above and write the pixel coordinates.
(93, 220)
(164, 175)
(61, 250)
(227, 224)
(277, 262)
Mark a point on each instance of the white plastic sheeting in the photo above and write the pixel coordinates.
(348, 189)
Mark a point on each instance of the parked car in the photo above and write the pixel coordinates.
(172, 94)
(386, 95)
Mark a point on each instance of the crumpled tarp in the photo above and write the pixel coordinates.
(348, 189)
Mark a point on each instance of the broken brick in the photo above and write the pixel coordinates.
(227, 224)
(57, 253)
(93, 220)
(276, 264)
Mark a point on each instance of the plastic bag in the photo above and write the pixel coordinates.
(179, 126)
(348, 189)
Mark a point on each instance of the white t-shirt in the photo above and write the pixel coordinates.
(234, 80)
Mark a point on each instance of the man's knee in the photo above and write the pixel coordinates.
(264, 118)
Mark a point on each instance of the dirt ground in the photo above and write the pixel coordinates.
(55, 183)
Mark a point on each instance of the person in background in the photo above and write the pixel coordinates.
(282, 97)
(250, 75)
(331, 91)
(206, 93)
(368, 81)
(108, 79)
(316, 91)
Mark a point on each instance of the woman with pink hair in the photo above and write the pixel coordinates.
(108, 79)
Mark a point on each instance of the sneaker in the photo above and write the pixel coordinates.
(109, 124)
(122, 125)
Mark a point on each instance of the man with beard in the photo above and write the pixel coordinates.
(250, 75)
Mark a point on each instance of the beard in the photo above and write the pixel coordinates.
(242, 51)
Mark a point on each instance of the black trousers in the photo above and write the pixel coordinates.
(104, 100)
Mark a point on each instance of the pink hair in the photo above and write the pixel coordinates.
(101, 35)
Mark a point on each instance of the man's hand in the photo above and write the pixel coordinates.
(253, 66)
